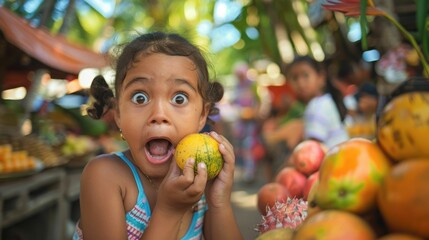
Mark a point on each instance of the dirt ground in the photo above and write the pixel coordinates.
(244, 203)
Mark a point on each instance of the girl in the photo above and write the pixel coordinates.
(325, 110)
(162, 94)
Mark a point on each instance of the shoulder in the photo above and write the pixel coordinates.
(107, 168)
(102, 162)
(324, 102)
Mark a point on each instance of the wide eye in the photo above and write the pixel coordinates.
(139, 98)
(180, 99)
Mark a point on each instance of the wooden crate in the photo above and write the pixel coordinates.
(21, 198)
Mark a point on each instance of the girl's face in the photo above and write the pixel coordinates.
(159, 104)
(306, 81)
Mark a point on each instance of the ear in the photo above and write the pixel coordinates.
(117, 115)
(203, 117)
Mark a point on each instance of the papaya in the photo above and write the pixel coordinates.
(403, 198)
(403, 126)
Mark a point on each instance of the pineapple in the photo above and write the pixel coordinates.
(284, 214)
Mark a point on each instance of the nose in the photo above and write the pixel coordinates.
(300, 83)
(159, 113)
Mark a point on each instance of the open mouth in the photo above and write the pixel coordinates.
(158, 150)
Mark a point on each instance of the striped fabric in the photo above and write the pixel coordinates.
(138, 218)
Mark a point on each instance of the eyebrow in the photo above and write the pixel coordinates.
(135, 80)
(185, 82)
(177, 81)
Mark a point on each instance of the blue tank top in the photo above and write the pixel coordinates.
(138, 217)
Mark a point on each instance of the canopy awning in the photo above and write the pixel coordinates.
(54, 51)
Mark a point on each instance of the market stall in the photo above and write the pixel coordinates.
(44, 140)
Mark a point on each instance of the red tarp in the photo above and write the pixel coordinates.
(54, 51)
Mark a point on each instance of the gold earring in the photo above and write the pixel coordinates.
(122, 136)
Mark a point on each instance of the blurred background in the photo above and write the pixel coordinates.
(50, 50)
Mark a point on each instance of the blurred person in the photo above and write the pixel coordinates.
(325, 110)
(282, 131)
(246, 128)
(363, 122)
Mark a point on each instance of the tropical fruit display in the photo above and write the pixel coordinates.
(369, 189)
(282, 202)
(15, 161)
(77, 145)
(203, 148)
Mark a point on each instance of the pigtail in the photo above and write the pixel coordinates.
(103, 98)
(214, 95)
(338, 99)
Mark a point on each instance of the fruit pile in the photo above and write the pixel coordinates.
(296, 179)
(77, 145)
(15, 161)
(374, 189)
(282, 202)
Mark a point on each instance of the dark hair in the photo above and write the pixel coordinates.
(156, 42)
(330, 88)
(317, 66)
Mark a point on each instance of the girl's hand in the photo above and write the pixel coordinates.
(179, 192)
(218, 191)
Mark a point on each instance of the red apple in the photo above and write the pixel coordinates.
(268, 194)
(310, 181)
(307, 156)
(293, 180)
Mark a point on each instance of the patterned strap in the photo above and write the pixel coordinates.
(135, 173)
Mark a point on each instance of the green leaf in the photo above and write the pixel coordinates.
(422, 24)
(421, 14)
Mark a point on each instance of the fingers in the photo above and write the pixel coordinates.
(201, 178)
(225, 147)
(188, 170)
(174, 169)
(221, 140)
(227, 151)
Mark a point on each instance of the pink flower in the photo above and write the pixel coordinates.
(352, 7)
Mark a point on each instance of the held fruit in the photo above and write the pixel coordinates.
(203, 148)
